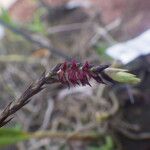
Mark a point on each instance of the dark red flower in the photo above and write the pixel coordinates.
(84, 74)
(76, 74)
(72, 73)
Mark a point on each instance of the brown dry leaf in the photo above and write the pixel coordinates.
(40, 53)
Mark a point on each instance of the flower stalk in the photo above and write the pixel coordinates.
(67, 73)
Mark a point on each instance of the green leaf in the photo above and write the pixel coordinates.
(12, 136)
(6, 17)
(101, 51)
(109, 144)
(37, 24)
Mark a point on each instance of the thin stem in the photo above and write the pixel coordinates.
(88, 136)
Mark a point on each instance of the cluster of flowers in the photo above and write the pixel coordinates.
(78, 74)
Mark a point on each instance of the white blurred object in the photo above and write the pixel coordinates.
(6, 3)
(78, 3)
(2, 32)
(128, 51)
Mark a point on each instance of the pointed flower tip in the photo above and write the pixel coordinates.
(122, 76)
(86, 66)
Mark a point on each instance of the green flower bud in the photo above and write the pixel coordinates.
(121, 75)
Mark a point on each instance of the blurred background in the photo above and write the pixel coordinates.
(35, 35)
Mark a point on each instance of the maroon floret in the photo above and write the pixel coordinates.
(76, 74)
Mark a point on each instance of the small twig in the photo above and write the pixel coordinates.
(48, 114)
(115, 102)
(65, 28)
(131, 135)
(104, 32)
(17, 58)
(88, 136)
